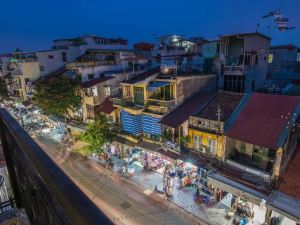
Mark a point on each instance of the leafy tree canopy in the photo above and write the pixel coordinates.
(99, 133)
(57, 95)
(3, 89)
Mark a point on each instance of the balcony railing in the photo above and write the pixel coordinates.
(127, 103)
(47, 194)
(91, 63)
(161, 103)
(16, 72)
(233, 70)
(92, 100)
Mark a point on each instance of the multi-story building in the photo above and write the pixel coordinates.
(283, 58)
(20, 70)
(260, 139)
(147, 98)
(240, 60)
(86, 42)
(206, 126)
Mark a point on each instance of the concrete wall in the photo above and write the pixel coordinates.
(50, 64)
(189, 85)
(282, 56)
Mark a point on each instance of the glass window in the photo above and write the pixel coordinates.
(197, 141)
(91, 76)
(298, 57)
(139, 95)
(270, 58)
(64, 56)
(212, 146)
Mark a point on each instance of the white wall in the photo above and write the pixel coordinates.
(50, 65)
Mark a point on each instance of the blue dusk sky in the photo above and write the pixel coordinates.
(32, 25)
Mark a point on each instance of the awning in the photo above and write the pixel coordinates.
(234, 187)
(158, 84)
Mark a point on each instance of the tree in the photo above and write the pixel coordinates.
(99, 133)
(3, 90)
(168, 135)
(184, 140)
(57, 95)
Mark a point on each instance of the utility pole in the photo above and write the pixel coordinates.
(219, 114)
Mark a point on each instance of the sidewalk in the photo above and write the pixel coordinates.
(214, 214)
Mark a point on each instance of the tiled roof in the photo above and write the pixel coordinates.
(94, 82)
(290, 181)
(262, 119)
(181, 114)
(290, 47)
(106, 106)
(143, 46)
(225, 100)
(143, 76)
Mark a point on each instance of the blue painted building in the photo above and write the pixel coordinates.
(131, 124)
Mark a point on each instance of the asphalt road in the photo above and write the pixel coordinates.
(122, 200)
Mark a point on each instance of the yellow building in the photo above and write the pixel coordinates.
(24, 72)
(206, 127)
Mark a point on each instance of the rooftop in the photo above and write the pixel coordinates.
(142, 76)
(181, 114)
(246, 34)
(227, 102)
(289, 183)
(261, 119)
(289, 47)
(94, 82)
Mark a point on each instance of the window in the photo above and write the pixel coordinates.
(42, 68)
(253, 85)
(64, 56)
(139, 95)
(90, 111)
(197, 142)
(91, 76)
(50, 56)
(234, 83)
(126, 91)
(107, 90)
(270, 58)
(298, 57)
(212, 146)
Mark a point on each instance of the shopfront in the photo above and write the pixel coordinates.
(246, 205)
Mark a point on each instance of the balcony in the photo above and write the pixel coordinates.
(90, 64)
(16, 72)
(47, 194)
(92, 100)
(15, 86)
(128, 104)
(233, 70)
(161, 103)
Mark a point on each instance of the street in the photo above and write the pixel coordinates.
(122, 200)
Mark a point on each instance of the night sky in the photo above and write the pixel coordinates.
(32, 25)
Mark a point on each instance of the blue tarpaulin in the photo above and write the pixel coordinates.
(156, 85)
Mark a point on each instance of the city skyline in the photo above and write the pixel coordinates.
(32, 27)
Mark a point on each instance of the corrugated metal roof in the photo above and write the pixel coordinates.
(181, 114)
(96, 81)
(263, 119)
(106, 106)
(143, 76)
(290, 181)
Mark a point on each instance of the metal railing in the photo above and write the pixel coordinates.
(126, 103)
(47, 194)
(162, 103)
